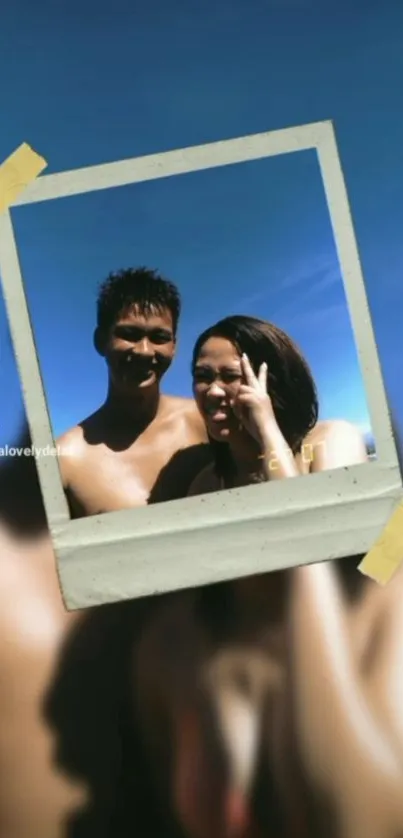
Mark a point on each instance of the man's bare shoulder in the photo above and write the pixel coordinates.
(187, 409)
(180, 404)
(72, 449)
(71, 441)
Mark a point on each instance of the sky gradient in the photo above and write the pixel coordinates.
(98, 82)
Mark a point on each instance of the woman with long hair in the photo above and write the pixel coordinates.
(257, 396)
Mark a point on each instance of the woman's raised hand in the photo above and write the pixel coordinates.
(252, 404)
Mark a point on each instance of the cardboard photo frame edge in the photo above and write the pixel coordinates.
(179, 544)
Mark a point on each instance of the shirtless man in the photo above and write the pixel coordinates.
(140, 446)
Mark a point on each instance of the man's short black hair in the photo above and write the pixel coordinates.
(141, 287)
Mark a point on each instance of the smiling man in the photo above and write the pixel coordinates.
(140, 446)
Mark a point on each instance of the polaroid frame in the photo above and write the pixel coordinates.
(234, 533)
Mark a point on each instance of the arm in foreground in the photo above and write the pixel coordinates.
(340, 710)
(36, 797)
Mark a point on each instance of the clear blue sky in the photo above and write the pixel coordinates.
(92, 82)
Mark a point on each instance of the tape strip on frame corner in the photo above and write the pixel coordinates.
(386, 556)
(17, 172)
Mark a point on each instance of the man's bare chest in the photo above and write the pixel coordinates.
(108, 480)
(111, 480)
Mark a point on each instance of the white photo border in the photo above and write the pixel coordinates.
(199, 540)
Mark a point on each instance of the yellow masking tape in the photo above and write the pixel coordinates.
(22, 167)
(386, 555)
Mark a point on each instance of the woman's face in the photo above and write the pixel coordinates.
(216, 380)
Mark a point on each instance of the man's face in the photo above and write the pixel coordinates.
(140, 348)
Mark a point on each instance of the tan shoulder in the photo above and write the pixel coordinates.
(71, 443)
(182, 404)
(335, 443)
(332, 428)
(188, 410)
(206, 481)
(71, 448)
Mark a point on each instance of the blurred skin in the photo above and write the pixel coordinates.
(198, 692)
(312, 676)
(35, 797)
(60, 684)
(341, 702)
(331, 678)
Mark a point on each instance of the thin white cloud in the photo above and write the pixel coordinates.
(322, 273)
(332, 315)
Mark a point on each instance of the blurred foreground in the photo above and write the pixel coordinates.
(265, 708)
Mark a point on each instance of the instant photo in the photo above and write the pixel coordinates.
(196, 318)
(154, 267)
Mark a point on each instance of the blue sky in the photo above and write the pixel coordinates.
(94, 82)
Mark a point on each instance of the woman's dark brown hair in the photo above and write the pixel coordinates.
(290, 383)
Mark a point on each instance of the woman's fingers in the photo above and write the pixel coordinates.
(246, 394)
(247, 370)
(262, 377)
(245, 400)
(251, 379)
